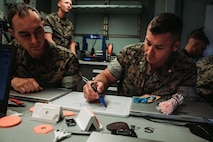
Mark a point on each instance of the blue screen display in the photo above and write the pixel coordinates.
(4, 68)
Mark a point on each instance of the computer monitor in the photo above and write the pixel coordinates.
(6, 59)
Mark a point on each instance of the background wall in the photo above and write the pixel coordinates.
(3, 13)
(209, 29)
(192, 12)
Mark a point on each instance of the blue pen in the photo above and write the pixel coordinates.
(101, 98)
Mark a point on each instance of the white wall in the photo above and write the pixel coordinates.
(119, 24)
(193, 16)
(209, 29)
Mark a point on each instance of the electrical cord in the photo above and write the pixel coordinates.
(166, 122)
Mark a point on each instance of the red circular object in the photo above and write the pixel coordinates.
(9, 121)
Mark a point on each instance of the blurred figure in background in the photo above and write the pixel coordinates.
(58, 28)
(196, 44)
(205, 78)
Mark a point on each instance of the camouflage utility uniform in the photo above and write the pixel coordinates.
(59, 68)
(205, 78)
(61, 29)
(136, 78)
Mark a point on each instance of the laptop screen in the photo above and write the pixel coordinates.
(6, 59)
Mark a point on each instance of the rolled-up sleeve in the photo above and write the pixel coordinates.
(48, 29)
(71, 81)
(115, 68)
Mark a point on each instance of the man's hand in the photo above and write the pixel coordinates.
(25, 85)
(89, 93)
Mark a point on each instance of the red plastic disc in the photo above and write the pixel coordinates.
(9, 121)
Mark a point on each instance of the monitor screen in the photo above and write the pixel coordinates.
(7, 53)
(4, 68)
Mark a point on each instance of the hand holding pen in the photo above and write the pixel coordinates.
(101, 98)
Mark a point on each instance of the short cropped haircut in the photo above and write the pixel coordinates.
(22, 10)
(200, 35)
(167, 22)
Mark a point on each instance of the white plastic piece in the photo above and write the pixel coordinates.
(87, 121)
(47, 112)
(61, 134)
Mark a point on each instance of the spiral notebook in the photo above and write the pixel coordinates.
(188, 111)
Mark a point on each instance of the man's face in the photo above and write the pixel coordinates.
(198, 48)
(158, 48)
(65, 5)
(29, 32)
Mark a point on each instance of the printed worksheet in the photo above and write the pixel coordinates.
(116, 105)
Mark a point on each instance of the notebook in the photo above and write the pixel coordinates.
(46, 95)
(103, 137)
(6, 60)
(188, 111)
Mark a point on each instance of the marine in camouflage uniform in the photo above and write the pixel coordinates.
(205, 78)
(59, 68)
(178, 74)
(62, 29)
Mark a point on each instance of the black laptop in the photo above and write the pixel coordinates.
(6, 60)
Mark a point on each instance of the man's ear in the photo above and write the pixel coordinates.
(43, 23)
(176, 46)
(11, 31)
(59, 4)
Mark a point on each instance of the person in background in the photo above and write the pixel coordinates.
(58, 28)
(38, 63)
(152, 67)
(205, 78)
(196, 44)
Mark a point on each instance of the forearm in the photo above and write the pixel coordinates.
(48, 36)
(102, 78)
(49, 39)
(71, 81)
(106, 78)
(72, 46)
(24, 85)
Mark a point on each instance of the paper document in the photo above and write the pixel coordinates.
(116, 105)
